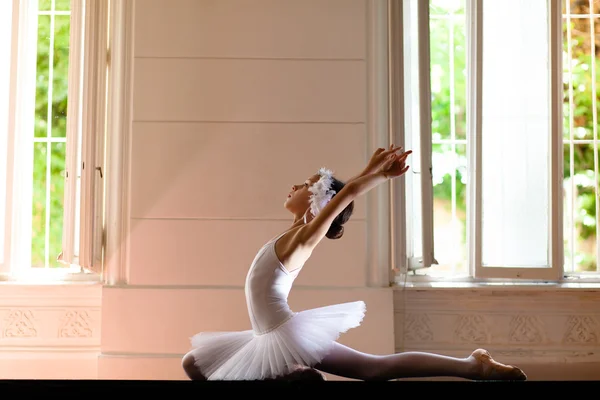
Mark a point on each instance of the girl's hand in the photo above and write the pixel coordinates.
(395, 165)
(378, 158)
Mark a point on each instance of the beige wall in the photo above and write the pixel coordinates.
(233, 102)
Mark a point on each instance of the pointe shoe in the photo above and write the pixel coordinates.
(490, 369)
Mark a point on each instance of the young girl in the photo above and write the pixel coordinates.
(281, 340)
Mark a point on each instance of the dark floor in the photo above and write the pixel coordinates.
(283, 390)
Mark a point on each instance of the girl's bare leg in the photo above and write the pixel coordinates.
(347, 362)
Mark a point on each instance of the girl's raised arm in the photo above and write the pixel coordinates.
(392, 166)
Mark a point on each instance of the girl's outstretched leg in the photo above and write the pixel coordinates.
(347, 362)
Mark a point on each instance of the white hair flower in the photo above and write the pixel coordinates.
(321, 191)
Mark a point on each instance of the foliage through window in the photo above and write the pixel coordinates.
(49, 153)
(53, 87)
(518, 64)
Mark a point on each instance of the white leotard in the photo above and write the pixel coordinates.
(280, 339)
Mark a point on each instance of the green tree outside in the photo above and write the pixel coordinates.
(585, 210)
(58, 130)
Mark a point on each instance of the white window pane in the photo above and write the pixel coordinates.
(449, 147)
(5, 41)
(515, 133)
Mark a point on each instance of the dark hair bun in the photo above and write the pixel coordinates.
(335, 231)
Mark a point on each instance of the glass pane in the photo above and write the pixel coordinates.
(568, 207)
(516, 132)
(57, 191)
(580, 216)
(5, 43)
(41, 94)
(38, 234)
(578, 7)
(44, 5)
(450, 209)
(448, 75)
(61, 75)
(579, 208)
(460, 77)
(567, 95)
(63, 5)
(578, 78)
(440, 79)
(441, 7)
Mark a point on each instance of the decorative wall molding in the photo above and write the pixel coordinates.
(417, 328)
(50, 318)
(526, 329)
(537, 326)
(76, 324)
(20, 324)
(472, 328)
(582, 329)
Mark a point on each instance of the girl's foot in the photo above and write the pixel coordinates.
(486, 368)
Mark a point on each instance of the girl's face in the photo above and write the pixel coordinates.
(298, 199)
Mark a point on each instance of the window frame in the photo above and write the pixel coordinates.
(92, 90)
(404, 264)
(554, 271)
(93, 123)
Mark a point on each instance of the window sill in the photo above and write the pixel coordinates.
(50, 277)
(508, 286)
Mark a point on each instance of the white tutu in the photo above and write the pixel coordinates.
(304, 339)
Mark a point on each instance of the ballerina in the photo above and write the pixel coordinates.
(283, 342)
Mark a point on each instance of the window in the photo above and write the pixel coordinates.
(53, 81)
(500, 109)
(581, 55)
